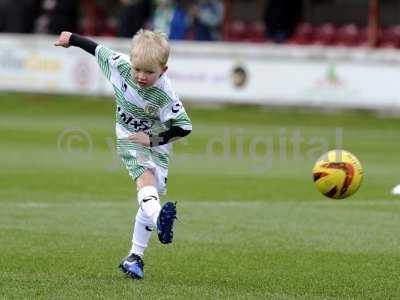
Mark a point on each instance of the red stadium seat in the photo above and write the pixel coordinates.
(303, 35)
(109, 28)
(236, 31)
(363, 36)
(326, 35)
(255, 32)
(390, 37)
(349, 35)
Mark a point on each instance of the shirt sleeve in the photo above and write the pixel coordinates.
(175, 114)
(83, 42)
(107, 59)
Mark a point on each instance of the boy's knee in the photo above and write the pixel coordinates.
(146, 179)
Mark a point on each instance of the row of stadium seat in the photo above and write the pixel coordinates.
(240, 31)
(349, 35)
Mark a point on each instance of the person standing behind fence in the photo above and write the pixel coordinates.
(207, 20)
(171, 17)
(281, 17)
(162, 15)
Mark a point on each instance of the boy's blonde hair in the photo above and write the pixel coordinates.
(149, 48)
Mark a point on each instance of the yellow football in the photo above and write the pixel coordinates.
(338, 174)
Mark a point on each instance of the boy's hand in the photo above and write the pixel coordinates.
(140, 138)
(63, 39)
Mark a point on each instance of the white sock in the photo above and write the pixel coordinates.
(149, 202)
(141, 233)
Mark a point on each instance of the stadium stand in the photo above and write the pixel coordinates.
(245, 21)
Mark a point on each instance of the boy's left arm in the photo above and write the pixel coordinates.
(181, 125)
(168, 136)
(172, 134)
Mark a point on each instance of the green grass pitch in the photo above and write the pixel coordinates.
(251, 223)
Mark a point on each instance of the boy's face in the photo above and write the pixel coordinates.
(146, 76)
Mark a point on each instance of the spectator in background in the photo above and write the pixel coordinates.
(58, 15)
(180, 22)
(132, 16)
(207, 19)
(18, 16)
(171, 17)
(162, 16)
(281, 18)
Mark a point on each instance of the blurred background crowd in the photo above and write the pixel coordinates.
(326, 22)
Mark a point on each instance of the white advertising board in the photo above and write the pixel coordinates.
(218, 72)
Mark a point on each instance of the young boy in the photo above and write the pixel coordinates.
(149, 116)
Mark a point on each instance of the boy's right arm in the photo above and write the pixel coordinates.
(67, 39)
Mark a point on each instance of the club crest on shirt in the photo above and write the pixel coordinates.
(151, 110)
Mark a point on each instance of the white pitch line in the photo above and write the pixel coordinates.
(103, 204)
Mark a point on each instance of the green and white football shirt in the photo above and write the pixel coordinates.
(151, 110)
